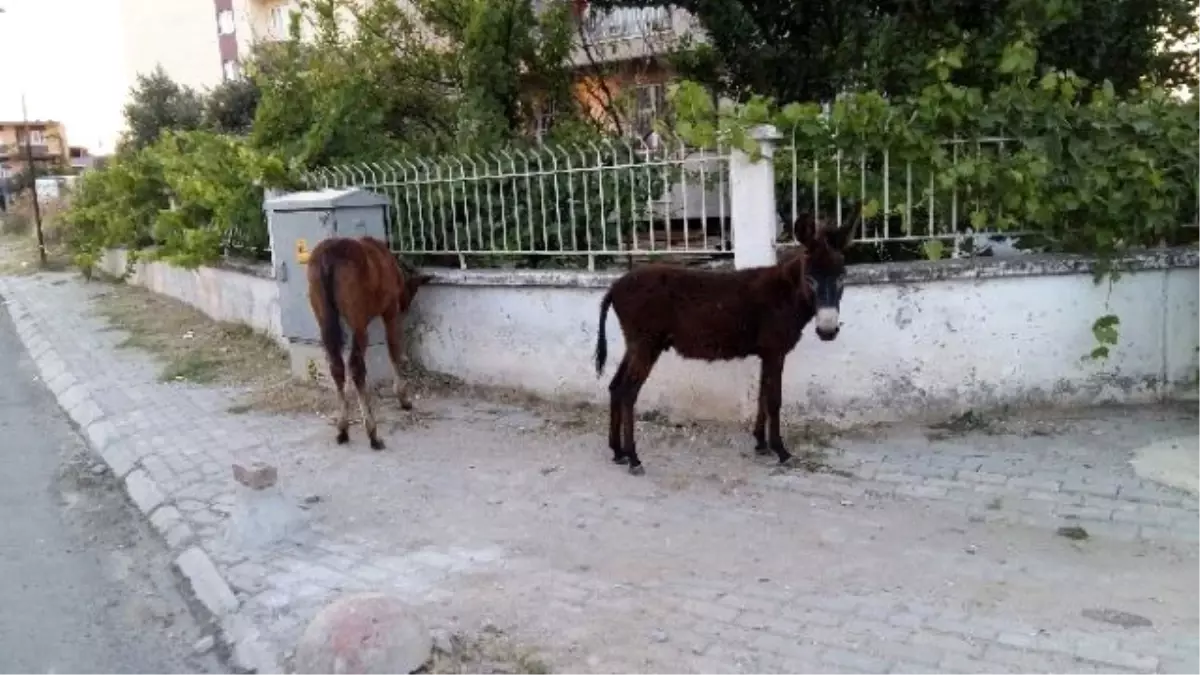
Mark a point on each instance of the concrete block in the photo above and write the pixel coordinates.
(206, 582)
(255, 475)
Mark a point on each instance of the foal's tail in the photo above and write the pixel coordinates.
(331, 327)
(601, 340)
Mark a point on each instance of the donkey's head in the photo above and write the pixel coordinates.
(826, 269)
(412, 281)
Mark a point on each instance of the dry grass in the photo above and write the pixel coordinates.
(192, 347)
(19, 256)
(490, 652)
(18, 240)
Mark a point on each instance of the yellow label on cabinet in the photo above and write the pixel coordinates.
(301, 251)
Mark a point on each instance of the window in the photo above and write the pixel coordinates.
(231, 69)
(37, 137)
(225, 22)
(277, 22)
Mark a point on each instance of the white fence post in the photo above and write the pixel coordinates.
(752, 201)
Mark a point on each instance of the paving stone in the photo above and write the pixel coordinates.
(143, 491)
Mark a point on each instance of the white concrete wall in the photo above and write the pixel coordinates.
(222, 294)
(914, 349)
(918, 340)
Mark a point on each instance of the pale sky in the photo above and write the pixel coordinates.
(65, 55)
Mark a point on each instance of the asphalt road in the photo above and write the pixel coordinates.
(85, 586)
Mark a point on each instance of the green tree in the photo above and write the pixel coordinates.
(158, 103)
(808, 51)
(230, 107)
(353, 96)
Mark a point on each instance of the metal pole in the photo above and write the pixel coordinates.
(37, 209)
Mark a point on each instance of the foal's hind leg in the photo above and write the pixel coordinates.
(614, 409)
(358, 370)
(337, 371)
(395, 332)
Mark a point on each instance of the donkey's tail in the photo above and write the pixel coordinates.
(331, 326)
(601, 340)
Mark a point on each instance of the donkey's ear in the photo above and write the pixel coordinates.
(843, 237)
(805, 229)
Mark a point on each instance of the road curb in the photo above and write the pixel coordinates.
(247, 651)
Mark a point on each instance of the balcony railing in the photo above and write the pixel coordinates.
(626, 23)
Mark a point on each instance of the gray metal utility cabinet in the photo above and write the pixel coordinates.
(296, 223)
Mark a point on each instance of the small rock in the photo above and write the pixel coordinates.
(847, 502)
(99, 469)
(971, 549)
(204, 644)
(312, 499)
(659, 636)
(1073, 532)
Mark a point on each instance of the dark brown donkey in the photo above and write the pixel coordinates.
(358, 280)
(720, 316)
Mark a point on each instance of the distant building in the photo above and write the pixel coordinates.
(81, 159)
(48, 141)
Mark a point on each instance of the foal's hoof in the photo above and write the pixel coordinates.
(789, 460)
(620, 459)
(376, 444)
(637, 470)
(343, 437)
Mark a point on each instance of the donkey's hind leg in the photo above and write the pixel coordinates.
(614, 406)
(760, 420)
(358, 370)
(641, 362)
(773, 371)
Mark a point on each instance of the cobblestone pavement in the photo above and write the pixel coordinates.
(924, 551)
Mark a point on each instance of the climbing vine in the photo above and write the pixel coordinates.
(1081, 167)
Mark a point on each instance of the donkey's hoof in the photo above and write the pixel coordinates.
(376, 444)
(761, 448)
(786, 459)
(637, 470)
(620, 459)
(343, 437)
